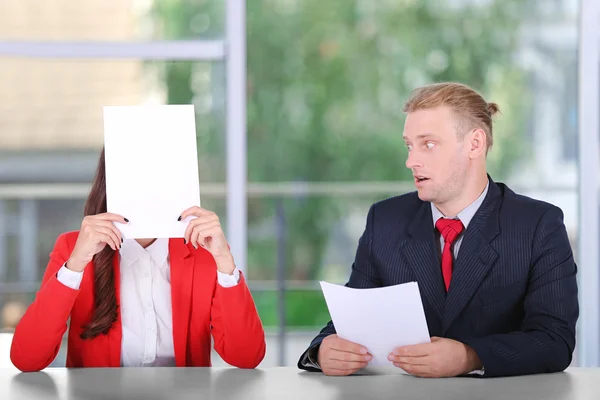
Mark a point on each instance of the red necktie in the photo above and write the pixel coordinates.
(449, 229)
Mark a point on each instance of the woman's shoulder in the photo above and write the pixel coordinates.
(67, 239)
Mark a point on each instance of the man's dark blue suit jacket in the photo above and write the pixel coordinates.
(513, 294)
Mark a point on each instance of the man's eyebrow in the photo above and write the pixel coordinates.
(421, 136)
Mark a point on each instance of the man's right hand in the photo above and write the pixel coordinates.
(96, 232)
(340, 357)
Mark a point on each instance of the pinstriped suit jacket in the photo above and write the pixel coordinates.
(513, 295)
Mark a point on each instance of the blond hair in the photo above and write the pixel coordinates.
(469, 107)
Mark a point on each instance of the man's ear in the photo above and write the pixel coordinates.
(477, 143)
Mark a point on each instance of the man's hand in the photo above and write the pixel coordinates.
(438, 359)
(341, 357)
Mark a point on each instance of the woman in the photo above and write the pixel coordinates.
(142, 302)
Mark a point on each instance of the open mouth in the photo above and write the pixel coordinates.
(420, 179)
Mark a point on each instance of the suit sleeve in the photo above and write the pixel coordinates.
(546, 340)
(364, 275)
(237, 330)
(38, 335)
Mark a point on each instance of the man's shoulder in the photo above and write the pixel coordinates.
(397, 207)
(410, 199)
(525, 208)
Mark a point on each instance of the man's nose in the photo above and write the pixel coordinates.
(413, 161)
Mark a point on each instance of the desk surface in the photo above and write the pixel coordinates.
(284, 383)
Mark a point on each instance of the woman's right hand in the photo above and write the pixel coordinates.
(96, 232)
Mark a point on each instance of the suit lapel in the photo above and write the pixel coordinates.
(475, 256)
(421, 254)
(182, 277)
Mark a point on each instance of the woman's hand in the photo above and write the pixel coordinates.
(205, 231)
(96, 232)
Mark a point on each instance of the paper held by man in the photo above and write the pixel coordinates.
(380, 319)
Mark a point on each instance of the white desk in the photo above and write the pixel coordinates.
(283, 384)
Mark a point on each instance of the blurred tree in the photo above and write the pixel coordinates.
(326, 85)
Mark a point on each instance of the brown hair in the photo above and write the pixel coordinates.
(105, 298)
(471, 110)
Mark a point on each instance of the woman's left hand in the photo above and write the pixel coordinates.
(205, 231)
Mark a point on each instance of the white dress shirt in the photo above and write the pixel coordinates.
(465, 216)
(146, 314)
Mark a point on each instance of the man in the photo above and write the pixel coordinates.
(495, 269)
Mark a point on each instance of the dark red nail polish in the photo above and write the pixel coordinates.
(179, 219)
(184, 242)
(126, 220)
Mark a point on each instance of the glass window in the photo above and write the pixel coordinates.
(120, 20)
(52, 132)
(326, 86)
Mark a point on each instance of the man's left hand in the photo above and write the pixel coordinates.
(440, 358)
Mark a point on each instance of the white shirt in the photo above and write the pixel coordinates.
(146, 314)
(465, 216)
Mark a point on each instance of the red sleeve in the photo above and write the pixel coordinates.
(39, 333)
(236, 327)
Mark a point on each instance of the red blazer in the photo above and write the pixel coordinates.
(201, 307)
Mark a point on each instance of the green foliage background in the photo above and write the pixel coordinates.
(326, 85)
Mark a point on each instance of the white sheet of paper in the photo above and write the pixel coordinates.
(379, 319)
(151, 168)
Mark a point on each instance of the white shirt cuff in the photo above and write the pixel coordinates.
(226, 280)
(69, 278)
(310, 358)
(477, 372)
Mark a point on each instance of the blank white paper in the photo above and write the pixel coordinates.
(380, 319)
(151, 168)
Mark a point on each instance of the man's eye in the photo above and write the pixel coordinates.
(430, 145)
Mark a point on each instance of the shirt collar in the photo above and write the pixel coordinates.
(131, 251)
(467, 214)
